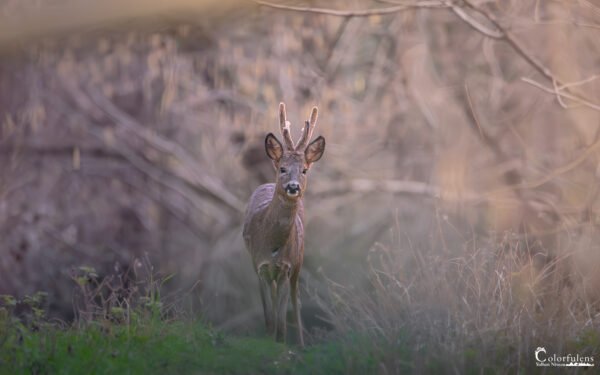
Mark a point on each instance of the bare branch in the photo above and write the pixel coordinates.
(183, 217)
(578, 83)
(355, 13)
(495, 34)
(559, 92)
(590, 150)
(511, 40)
(558, 97)
(58, 149)
(516, 183)
(568, 22)
(393, 187)
(500, 33)
(420, 4)
(516, 44)
(511, 176)
(199, 178)
(99, 108)
(160, 177)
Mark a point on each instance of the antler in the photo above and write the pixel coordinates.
(284, 125)
(307, 131)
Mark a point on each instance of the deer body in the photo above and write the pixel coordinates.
(279, 228)
(274, 225)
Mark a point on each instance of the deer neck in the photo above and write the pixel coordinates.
(281, 216)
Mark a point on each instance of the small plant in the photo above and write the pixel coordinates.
(30, 312)
(151, 300)
(36, 311)
(123, 298)
(7, 319)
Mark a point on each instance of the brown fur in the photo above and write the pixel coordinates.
(274, 227)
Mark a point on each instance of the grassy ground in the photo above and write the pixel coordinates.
(168, 348)
(112, 338)
(159, 347)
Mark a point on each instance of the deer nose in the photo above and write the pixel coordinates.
(292, 188)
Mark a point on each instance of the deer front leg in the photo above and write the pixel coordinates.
(283, 294)
(296, 306)
(267, 304)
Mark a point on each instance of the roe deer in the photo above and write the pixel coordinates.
(274, 223)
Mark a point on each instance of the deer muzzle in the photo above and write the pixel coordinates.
(292, 189)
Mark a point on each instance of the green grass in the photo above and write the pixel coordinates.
(177, 347)
(149, 345)
(153, 349)
(170, 348)
(140, 342)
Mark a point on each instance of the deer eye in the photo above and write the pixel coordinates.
(305, 170)
(282, 170)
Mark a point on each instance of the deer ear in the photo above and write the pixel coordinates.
(273, 147)
(315, 150)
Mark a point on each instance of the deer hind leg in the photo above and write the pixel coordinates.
(296, 306)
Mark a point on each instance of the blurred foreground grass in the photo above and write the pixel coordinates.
(170, 348)
(185, 347)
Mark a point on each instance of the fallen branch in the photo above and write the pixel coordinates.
(139, 183)
(393, 187)
(65, 149)
(355, 13)
(163, 178)
(189, 171)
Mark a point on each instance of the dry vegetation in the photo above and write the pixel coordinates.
(457, 200)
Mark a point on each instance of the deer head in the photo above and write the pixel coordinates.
(293, 162)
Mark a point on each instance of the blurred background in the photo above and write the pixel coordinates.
(131, 135)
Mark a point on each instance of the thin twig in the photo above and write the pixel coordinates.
(590, 150)
(593, 8)
(460, 12)
(568, 22)
(558, 97)
(180, 185)
(482, 134)
(143, 188)
(516, 44)
(511, 176)
(500, 33)
(578, 83)
(512, 41)
(159, 176)
(561, 93)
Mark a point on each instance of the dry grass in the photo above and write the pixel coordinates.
(483, 307)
